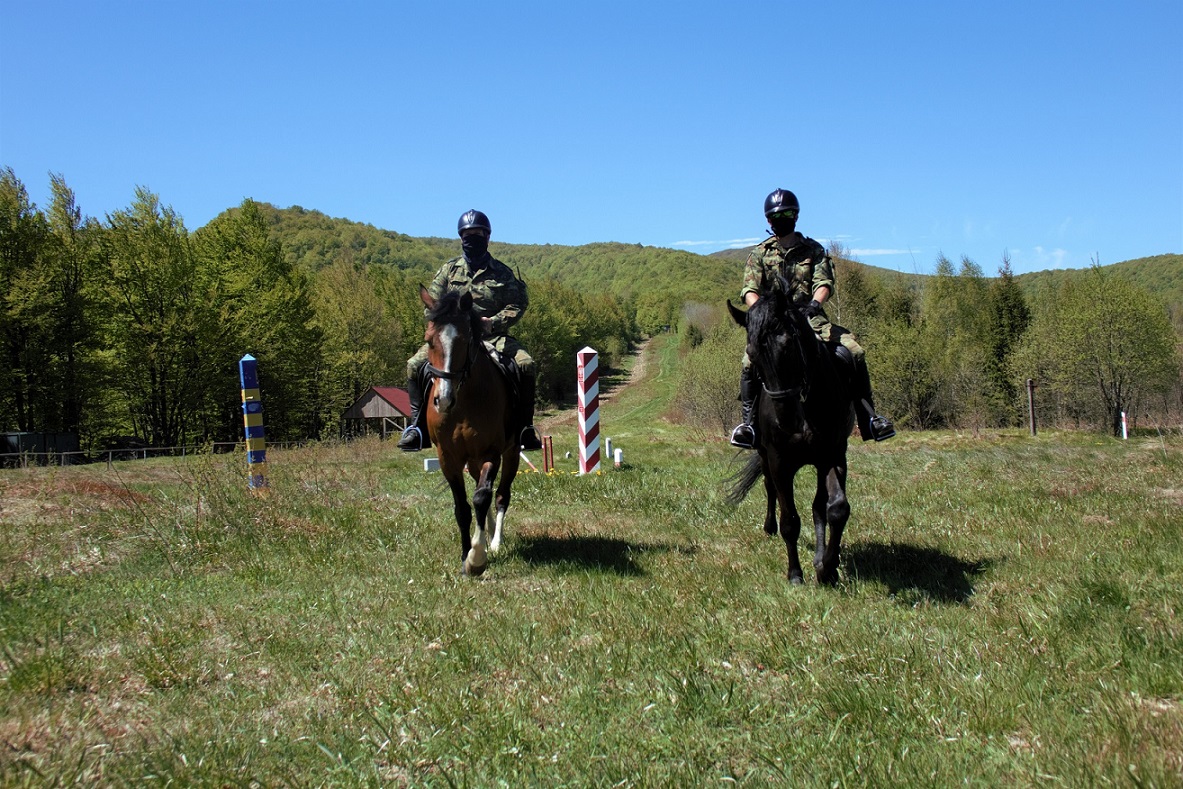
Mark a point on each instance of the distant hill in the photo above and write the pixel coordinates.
(1162, 275)
(311, 240)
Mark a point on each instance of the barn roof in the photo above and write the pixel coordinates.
(380, 401)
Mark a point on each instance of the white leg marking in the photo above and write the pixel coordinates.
(495, 545)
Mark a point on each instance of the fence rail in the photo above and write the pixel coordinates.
(110, 456)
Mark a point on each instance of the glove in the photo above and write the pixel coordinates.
(814, 309)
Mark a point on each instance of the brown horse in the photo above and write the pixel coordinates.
(470, 421)
(804, 417)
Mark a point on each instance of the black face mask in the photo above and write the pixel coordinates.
(783, 227)
(475, 246)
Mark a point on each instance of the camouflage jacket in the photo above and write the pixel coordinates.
(496, 293)
(804, 264)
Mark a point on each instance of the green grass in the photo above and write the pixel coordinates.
(1008, 615)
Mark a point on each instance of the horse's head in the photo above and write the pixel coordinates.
(780, 343)
(453, 339)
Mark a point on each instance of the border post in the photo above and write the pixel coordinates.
(589, 410)
(252, 418)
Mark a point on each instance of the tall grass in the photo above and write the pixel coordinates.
(1008, 614)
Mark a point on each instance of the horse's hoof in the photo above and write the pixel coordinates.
(796, 579)
(770, 527)
(476, 561)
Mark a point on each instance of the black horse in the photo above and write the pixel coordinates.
(803, 418)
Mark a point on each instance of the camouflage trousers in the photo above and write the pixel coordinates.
(504, 345)
(829, 332)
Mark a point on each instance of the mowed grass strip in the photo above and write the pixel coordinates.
(1008, 614)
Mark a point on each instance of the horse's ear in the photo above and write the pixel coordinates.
(737, 315)
(426, 298)
(466, 301)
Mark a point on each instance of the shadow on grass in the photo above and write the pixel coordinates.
(911, 573)
(590, 553)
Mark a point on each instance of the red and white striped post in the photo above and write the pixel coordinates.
(589, 410)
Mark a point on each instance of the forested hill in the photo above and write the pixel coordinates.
(640, 274)
(1162, 275)
(649, 277)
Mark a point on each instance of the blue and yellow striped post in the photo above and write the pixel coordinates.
(252, 417)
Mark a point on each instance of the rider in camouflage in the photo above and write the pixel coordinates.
(809, 272)
(500, 299)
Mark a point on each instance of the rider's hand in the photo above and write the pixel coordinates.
(814, 309)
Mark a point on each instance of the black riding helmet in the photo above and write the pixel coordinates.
(781, 200)
(473, 218)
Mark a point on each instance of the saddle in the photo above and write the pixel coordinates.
(508, 368)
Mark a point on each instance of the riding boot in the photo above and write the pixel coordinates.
(529, 439)
(415, 437)
(870, 424)
(744, 434)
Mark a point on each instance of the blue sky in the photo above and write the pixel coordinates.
(1048, 131)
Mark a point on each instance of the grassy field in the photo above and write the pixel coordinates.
(1009, 614)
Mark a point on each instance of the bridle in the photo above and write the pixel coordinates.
(793, 392)
(458, 377)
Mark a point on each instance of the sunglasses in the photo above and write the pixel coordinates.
(785, 215)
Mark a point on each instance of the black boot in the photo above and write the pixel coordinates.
(415, 437)
(529, 439)
(870, 424)
(744, 434)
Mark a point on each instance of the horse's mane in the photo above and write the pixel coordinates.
(772, 311)
(448, 309)
(775, 312)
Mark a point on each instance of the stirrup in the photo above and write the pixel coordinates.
(881, 428)
(743, 436)
(412, 439)
(528, 439)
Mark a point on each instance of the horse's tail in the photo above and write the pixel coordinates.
(744, 479)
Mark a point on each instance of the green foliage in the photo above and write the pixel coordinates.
(264, 308)
(561, 322)
(1008, 317)
(361, 342)
(1102, 347)
(134, 326)
(707, 393)
(311, 241)
(160, 320)
(1161, 275)
(26, 306)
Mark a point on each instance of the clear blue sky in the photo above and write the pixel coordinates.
(1052, 131)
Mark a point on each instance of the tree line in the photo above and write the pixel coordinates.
(131, 327)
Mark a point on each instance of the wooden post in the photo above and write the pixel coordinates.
(1031, 402)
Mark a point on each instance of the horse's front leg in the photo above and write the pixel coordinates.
(476, 560)
(770, 499)
(790, 525)
(509, 469)
(462, 511)
(829, 507)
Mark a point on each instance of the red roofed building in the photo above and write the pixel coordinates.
(384, 408)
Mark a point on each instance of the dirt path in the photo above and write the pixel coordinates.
(634, 375)
(569, 415)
